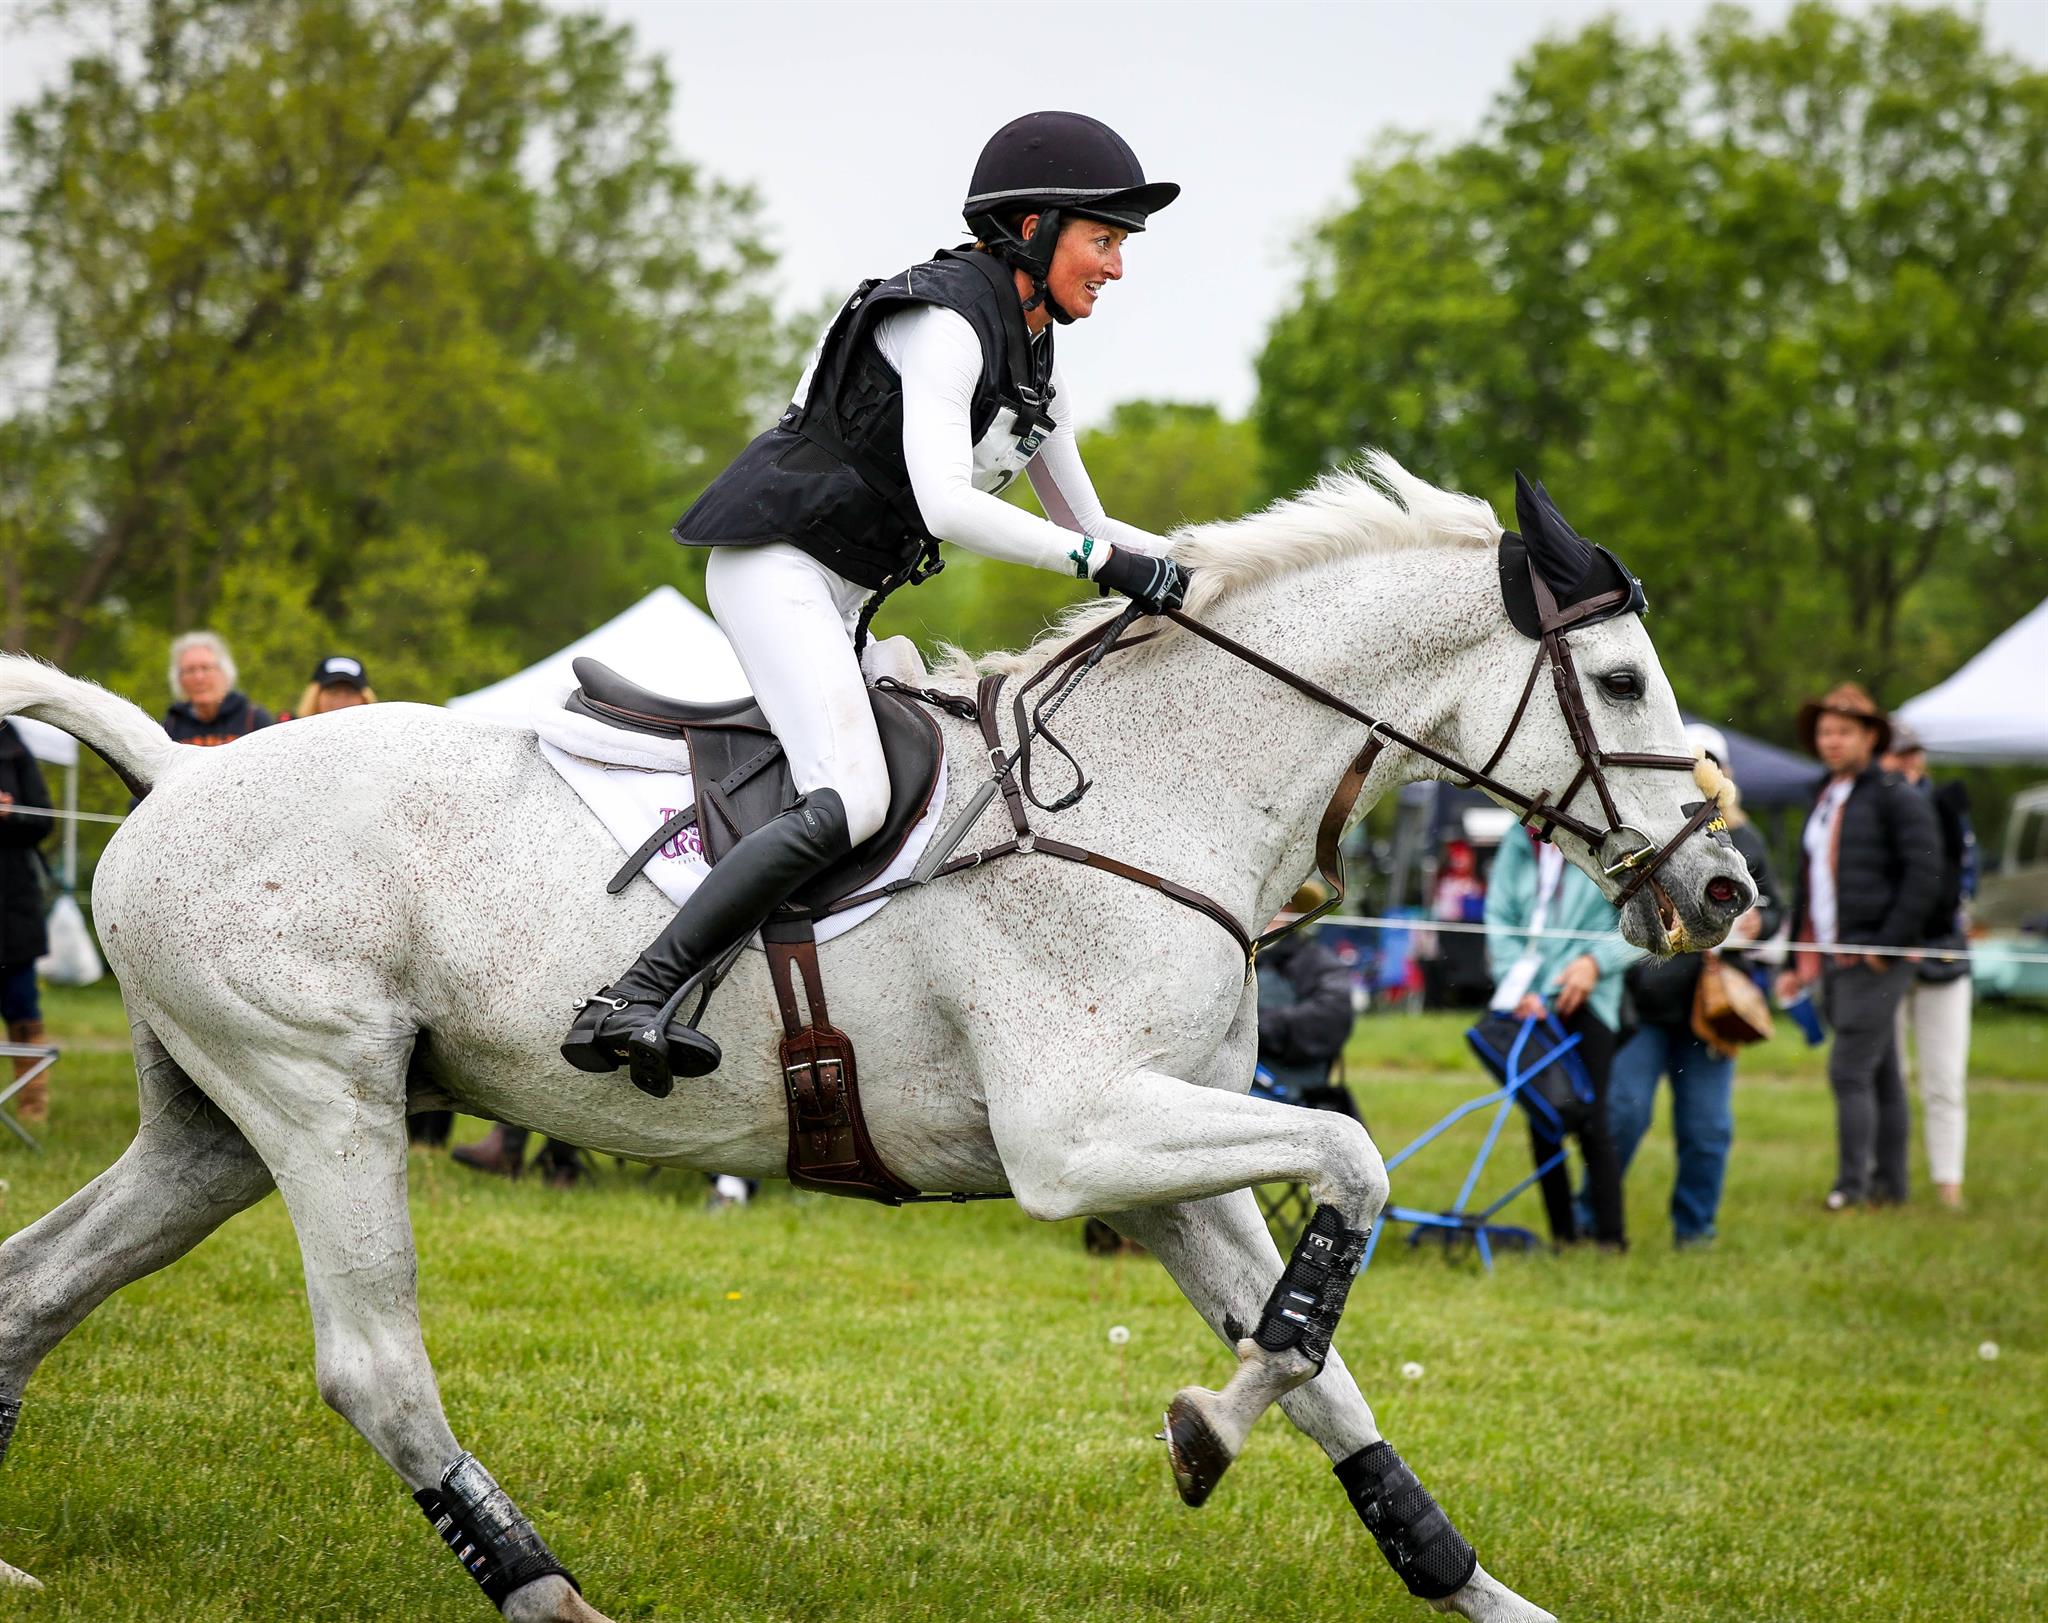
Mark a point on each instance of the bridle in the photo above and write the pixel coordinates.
(1541, 815)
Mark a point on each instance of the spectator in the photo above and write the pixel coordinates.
(338, 683)
(502, 1153)
(23, 938)
(1577, 976)
(1664, 1043)
(1936, 1007)
(1305, 1008)
(1460, 894)
(1869, 871)
(207, 707)
(1454, 961)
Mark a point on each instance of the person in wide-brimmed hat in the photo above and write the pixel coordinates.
(1869, 872)
(1850, 701)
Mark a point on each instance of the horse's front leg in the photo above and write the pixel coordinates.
(1150, 1139)
(1222, 1256)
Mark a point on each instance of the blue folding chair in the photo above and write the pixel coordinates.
(1536, 1045)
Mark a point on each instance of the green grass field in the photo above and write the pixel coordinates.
(818, 1410)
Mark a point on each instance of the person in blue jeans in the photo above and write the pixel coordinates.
(1663, 1044)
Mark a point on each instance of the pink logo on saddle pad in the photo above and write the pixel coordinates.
(689, 843)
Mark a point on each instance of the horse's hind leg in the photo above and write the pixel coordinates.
(186, 1173)
(1222, 1256)
(337, 1147)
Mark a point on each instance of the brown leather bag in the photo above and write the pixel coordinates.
(1728, 1009)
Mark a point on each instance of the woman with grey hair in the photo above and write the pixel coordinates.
(206, 706)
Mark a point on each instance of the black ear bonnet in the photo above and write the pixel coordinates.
(1574, 568)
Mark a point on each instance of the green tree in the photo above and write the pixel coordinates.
(1767, 308)
(395, 325)
(1155, 464)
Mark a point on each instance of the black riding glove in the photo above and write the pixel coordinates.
(1154, 584)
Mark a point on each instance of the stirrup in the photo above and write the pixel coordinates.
(656, 1057)
(665, 1048)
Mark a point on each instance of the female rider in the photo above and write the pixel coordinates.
(929, 393)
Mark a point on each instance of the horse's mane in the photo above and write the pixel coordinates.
(1374, 506)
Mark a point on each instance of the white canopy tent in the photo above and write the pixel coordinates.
(1994, 711)
(664, 642)
(54, 747)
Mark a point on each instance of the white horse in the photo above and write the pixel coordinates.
(333, 922)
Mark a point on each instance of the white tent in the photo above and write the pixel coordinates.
(50, 745)
(664, 642)
(1995, 709)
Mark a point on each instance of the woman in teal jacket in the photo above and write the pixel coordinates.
(1576, 977)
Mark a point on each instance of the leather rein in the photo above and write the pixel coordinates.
(1541, 816)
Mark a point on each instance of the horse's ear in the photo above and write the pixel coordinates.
(1559, 553)
(1571, 566)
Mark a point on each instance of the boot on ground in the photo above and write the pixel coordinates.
(500, 1152)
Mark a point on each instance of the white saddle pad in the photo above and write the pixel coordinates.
(635, 782)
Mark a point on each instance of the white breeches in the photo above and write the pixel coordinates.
(1938, 1015)
(790, 621)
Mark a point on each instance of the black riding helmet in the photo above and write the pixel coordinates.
(1054, 165)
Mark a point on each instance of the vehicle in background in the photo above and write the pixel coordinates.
(2010, 914)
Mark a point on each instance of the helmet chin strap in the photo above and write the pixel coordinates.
(1021, 253)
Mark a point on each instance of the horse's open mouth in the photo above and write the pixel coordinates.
(1667, 917)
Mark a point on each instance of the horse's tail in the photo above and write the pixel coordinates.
(119, 733)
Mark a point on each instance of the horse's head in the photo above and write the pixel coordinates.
(1591, 748)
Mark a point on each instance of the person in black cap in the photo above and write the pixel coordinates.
(929, 393)
(338, 683)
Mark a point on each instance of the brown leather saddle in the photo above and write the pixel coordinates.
(742, 780)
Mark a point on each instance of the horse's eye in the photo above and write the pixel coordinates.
(1622, 685)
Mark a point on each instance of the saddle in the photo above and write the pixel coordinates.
(742, 780)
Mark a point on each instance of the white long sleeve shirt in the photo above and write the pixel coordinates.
(937, 355)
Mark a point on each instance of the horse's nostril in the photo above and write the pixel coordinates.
(1722, 891)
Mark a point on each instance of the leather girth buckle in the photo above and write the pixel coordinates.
(829, 1146)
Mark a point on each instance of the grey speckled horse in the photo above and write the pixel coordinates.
(327, 924)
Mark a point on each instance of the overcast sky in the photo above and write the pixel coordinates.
(859, 123)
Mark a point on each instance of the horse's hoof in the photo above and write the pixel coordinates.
(15, 1578)
(1198, 1456)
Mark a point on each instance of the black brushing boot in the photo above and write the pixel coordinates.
(755, 877)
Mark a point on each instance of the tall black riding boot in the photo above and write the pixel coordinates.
(752, 879)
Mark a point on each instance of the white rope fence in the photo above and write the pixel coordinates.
(1771, 951)
(64, 816)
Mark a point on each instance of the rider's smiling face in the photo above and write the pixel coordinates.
(1090, 255)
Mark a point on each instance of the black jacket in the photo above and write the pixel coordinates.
(1887, 865)
(1951, 805)
(23, 939)
(1304, 1011)
(1663, 988)
(237, 718)
(830, 478)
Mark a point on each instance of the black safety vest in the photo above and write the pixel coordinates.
(829, 478)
